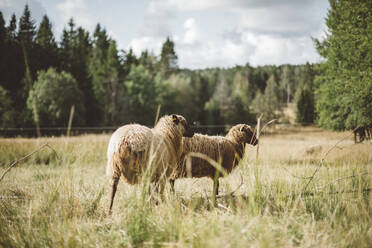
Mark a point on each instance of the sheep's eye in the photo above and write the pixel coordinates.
(184, 124)
(175, 119)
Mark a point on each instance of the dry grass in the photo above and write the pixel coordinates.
(50, 201)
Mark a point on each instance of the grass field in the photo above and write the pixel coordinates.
(61, 200)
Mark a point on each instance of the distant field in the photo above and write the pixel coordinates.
(62, 199)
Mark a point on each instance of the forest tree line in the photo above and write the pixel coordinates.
(111, 87)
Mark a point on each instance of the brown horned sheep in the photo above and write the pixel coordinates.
(227, 150)
(132, 147)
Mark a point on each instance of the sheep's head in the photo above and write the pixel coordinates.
(243, 133)
(182, 125)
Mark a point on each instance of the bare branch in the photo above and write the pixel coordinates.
(336, 192)
(293, 175)
(232, 192)
(51, 148)
(25, 157)
(268, 123)
(323, 158)
(347, 177)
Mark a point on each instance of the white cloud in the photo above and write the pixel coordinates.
(266, 31)
(158, 19)
(196, 51)
(8, 7)
(226, 5)
(279, 16)
(278, 50)
(192, 31)
(152, 44)
(156, 6)
(257, 49)
(78, 10)
(213, 53)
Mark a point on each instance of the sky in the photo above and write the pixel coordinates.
(207, 33)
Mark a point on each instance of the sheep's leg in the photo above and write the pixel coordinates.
(171, 181)
(114, 185)
(216, 185)
(161, 187)
(217, 182)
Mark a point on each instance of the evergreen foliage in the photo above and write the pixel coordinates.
(6, 110)
(115, 86)
(305, 97)
(287, 83)
(44, 36)
(12, 29)
(345, 89)
(47, 50)
(26, 28)
(168, 58)
(305, 106)
(269, 103)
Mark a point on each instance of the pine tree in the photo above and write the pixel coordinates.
(241, 89)
(3, 33)
(305, 97)
(101, 42)
(12, 28)
(26, 62)
(200, 94)
(3, 46)
(47, 51)
(45, 37)
(26, 30)
(76, 51)
(344, 98)
(115, 92)
(307, 77)
(13, 69)
(26, 37)
(3, 51)
(272, 98)
(130, 60)
(143, 59)
(224, 106)
(269, 103)
(168, 58)
(305, 106)
(97, 71)
(6, 110)
(67, 46)
(146, 59)
(287, 83)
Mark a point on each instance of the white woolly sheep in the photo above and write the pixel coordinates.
(227, 150)
(133, 147)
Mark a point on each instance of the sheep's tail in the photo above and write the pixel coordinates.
(110, 166)
(113, 158)
(117, 160)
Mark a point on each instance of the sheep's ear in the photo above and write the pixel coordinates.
(175, 119)
(241, 129)
(245, 128)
